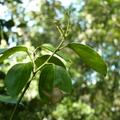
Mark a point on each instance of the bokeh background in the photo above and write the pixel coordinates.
(93, 22)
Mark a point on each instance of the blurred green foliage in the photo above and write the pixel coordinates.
(93, 22)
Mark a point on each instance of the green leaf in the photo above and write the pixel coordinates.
(53, 76)
(52, 49)
(3, 50)
(62, 79)
(46, 82)
(9, 52)
(90, 57)
(40, 60)
(17, 77)
(8, 99)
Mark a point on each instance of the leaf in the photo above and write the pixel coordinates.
(17, 77)
(9, 52)
(3, 50)
(40, 60)
(90, 57)
(52, 49)
(62, 79)
(46, 82)
(8, 99)
(53, 76)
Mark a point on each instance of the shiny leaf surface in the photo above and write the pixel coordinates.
(17, 77)
(90, 57)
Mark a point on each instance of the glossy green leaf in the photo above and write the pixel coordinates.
(40, 60)
(90, 57)
(52, 49)
(8, 99)
(53, 76)
(62, 79)
(17, 77)
(46, 83)
(9, 52)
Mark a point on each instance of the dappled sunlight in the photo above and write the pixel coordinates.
(60, 60)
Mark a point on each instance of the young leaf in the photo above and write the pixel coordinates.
(90, 57)
(8, 99)
(52, 49)
(40, 60)
(53, 76)
(17, 77)
(9, 52)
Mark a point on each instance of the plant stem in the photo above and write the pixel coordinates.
(34, 73)
(26, 87)
(57, 49)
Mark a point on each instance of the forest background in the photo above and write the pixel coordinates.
(93, 22)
